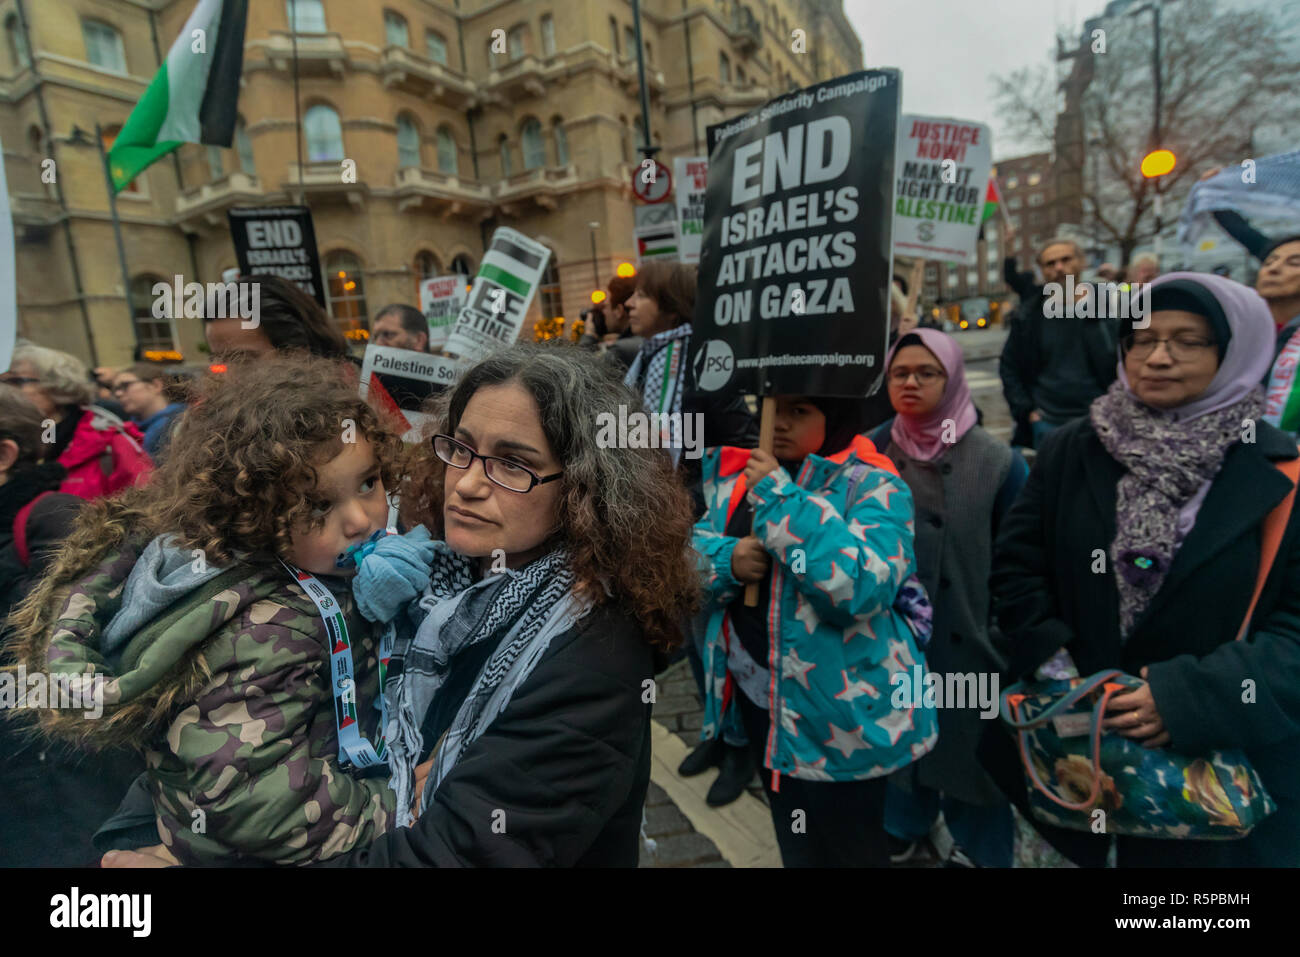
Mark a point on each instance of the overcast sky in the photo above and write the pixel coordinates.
(949, 50)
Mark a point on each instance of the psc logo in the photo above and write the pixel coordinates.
(714, 365)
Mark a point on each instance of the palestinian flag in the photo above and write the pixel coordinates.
(192, 98)
(992, 200)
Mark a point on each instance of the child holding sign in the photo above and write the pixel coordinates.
(811, 667)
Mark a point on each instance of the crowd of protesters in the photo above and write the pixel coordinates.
(501, 595)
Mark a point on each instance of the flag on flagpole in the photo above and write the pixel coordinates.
(992, 200)
(193, 96)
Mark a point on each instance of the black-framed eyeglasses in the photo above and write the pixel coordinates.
(121, 387)
(1181, 348)
(511, 476)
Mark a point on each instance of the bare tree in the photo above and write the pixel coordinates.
(1223, 71)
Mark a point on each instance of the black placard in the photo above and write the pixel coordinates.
(281, 241)
(797, 253)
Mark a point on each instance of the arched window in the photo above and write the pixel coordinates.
(503, 146)
(436, 47)
(216, 166)
(395, 31)
(561, 141)
(305, 16)
(462, 266)
(324, 134)
(447, 154)
(518, 42)
(548, 35)
(150, 332)
(347, 291)
(244, 146)
(534, 148)
(548, 292)
(426, 267)
(724, 68)
(408, 143)
(18, 51)
(103, 46)
(107, 137)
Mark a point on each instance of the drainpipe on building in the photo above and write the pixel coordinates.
(58, 187)
(690, 82)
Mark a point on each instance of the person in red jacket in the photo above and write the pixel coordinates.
(101, 453)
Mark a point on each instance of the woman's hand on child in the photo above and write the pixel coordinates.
(749, 560)
(760, 463)
(421, 776)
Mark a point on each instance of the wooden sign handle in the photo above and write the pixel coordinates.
(766, 426)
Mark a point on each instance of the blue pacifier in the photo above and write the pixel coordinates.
(353, 557)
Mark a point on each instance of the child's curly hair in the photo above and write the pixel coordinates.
(241, 465)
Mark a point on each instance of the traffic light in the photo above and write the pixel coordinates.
(625, 271)
(1158, 163)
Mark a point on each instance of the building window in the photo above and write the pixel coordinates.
(516, 42)
(436, 47)
(426, 267)
(1013, 202)
(395, 31)
(503, 146)
(549, 291)
(494, 58)
(305, 16)
(629, 42)
(741, 79)
(561, 142)
(1036, 199)
(952, 278)
(724, 68)
(408, 143)
(107, 138)
(1035, 179)
(991, 233)
(17, 42)
(462, 266)
(324, 134)
(216, 168)
(447, 159)
(534, 149)
(103, 46)
(972, 277)
(150, 332)
(548, 35)
(1013, 182)
(993, 275)
(347, 291)
(244, 147)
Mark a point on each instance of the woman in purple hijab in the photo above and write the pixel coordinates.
(1136, 544)
(962, 480)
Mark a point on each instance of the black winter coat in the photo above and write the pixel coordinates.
(1047, 596)
(568, 761)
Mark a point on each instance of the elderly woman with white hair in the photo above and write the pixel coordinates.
(100, 453)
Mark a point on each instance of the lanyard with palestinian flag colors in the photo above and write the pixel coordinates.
(354, 750)
(1282, 398)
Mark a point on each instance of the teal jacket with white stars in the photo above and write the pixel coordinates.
(834, 638)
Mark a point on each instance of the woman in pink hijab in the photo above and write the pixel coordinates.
(962, 480)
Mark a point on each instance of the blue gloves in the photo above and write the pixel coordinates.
(392, 572)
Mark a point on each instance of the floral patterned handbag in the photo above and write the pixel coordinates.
(1145, 792)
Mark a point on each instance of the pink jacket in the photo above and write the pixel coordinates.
(105, 456)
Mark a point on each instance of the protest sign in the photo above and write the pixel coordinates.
(795, 262)
(399, 381)
(281, 241)
(441, 301)
(502, 292)
(690, 174)
(943, 171)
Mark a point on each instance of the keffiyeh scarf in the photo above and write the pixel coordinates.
(659, 373)
(520, 611)
(1168, 462)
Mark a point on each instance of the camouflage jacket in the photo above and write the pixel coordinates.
(231, 703)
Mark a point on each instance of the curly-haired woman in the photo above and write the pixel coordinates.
(192, 596)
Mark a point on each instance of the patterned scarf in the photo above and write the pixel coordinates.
(1168, 463)
(520, 611)
(659, 372)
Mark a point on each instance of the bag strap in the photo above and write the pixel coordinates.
(1094, 733)
(1271, 539)
(20, 529)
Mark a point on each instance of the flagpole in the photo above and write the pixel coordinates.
(297, 102)
(117, 234)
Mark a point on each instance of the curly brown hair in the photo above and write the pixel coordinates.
(241, 466)
(625, 517)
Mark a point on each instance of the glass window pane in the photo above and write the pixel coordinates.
(549, 291)
(395, 30)
(151, 332)
(506, 169)
(629, 41)
(408, 143)
(437, 48)
(103, 46)
(534, 152)
(347, 293)
(17, 42)
(216, 168)
(324, 134)
(516, 43)
(548, 35)
(244, 146)
(561, 146)
(446, 151)
(305, 16)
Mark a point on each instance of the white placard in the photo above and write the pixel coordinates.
(503, 290)
(942, 167)
(690, 175)
(441, 300)
(399, 381)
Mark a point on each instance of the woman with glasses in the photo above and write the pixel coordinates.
(100, 453)
(143, 391)
(962, 481)
(1136, 544)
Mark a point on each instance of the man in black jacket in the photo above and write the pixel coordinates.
(1052, 368)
